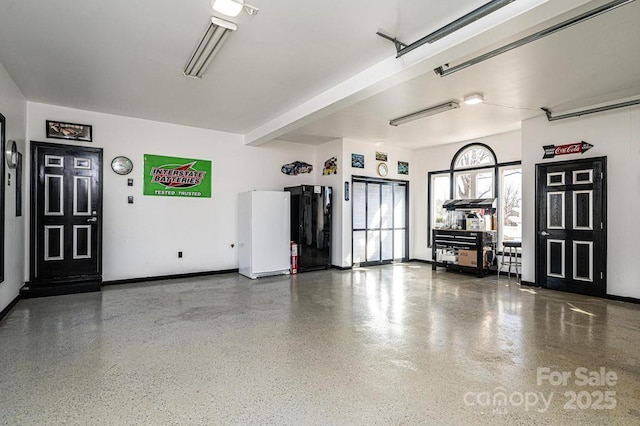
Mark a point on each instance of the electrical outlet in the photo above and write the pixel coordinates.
(180, 254)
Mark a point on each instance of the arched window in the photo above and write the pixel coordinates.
(474, 172)
(474, 155)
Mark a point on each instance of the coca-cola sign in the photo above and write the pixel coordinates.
(551, 151)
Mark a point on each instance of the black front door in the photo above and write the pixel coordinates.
(66, 208)
(571, 226)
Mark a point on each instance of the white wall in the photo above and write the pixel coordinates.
(142, 239)
(14, 108)
(506, 147)
(616, 135)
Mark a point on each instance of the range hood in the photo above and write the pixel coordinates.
(470, 203)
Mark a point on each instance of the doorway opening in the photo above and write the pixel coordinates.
(380, 221)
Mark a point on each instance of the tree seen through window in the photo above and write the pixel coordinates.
(477, 183)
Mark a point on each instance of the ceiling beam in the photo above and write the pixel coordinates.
(492, 29)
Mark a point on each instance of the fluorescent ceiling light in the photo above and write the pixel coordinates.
(473, 99)
(208, 46)
(228, 7)
(425, 113)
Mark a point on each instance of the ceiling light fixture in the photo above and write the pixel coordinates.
(425, 113)
(445, 70)
(233, 7)
(208, 46)
(474, 99)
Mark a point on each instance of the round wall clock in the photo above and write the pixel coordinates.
(121, 165)
(383, 169)
(12, 154)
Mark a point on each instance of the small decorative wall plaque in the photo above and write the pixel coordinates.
(69, 131)
(551, 151)
(403, 168)
(296, 168)
(330, 166)
(357, 161)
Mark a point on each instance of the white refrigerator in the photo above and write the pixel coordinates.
(264, 233)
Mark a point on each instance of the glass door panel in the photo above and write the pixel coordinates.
(379, 221)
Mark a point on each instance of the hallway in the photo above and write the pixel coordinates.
(397, 344)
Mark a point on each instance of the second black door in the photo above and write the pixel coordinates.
(571, 253)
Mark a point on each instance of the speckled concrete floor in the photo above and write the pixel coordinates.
(398, 344)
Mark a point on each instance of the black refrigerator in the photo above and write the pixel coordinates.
(311, 225)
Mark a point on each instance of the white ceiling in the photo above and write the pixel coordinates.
(310, 72)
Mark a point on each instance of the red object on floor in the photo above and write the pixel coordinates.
(294, 258)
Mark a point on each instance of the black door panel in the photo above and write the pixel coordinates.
(66, 227)
(571, 226)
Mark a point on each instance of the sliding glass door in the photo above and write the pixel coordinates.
(380, 221)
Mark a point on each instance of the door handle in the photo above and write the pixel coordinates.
(93, 219)
(544, 233)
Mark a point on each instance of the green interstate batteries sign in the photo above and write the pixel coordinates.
(176, 177)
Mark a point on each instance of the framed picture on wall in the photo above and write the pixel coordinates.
(357, 161)
(381, 156)
(69, 131)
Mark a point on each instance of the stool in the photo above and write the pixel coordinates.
(510, 259)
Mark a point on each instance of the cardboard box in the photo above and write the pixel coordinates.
(468, 258)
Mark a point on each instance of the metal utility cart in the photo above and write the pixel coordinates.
(467, 242)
